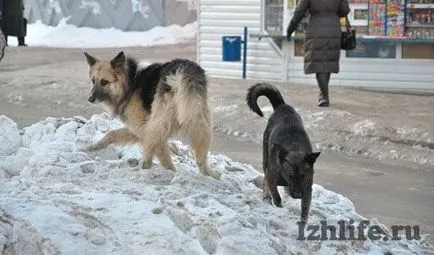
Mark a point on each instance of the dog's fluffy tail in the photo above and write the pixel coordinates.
(263, 89)
(190, 96)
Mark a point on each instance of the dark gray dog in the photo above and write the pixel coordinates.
(287, 153)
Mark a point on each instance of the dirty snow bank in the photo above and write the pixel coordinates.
(69, 36)
(19, 237)
(102, 203)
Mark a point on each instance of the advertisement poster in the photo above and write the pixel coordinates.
(377, 17)
(360, 14)
(395, 18)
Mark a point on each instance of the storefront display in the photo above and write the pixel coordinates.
(381, 25)
(420, 19)
(413, 19)
(395, 16)
(419, 26)
(377, 17)
(387, 18)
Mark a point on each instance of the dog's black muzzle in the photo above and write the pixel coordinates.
(296, 195)
(96, 95)
(92, 98)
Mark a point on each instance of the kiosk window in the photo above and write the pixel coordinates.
(418, 51)
(273, 17)
(374, 49)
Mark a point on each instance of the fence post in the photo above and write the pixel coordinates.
(245, 54)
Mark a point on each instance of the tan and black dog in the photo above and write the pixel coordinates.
(155, 103)
(287, 152)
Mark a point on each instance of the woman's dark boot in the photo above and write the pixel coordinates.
(21, 41)
(323, 84)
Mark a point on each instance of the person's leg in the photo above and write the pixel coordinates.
(323, 84)
(21, 41)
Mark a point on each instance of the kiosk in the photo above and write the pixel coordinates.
(395, 47)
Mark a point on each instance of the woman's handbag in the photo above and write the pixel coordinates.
(348, 37)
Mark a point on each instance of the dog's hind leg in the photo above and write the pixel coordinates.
(119, 136)
(200, 142)
(265, 190)
(163, 155)
(305, 205)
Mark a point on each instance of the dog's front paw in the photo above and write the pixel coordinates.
(214, 174)
(278, 203)
(267, 199)
(93, 147)
(147, 164)
(207, 171)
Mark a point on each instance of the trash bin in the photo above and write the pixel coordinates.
(231, 48)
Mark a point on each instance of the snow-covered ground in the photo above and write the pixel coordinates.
(56, 197)
(69, 36)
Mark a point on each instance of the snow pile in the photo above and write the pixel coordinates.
(19, 237)
(102, 202)
(69, 36)
(10, 136)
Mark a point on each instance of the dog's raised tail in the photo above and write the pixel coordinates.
(267, 90)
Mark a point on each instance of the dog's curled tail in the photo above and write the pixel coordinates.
(263, 89)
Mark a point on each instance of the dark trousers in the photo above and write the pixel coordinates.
(323, 80)
(21, 40)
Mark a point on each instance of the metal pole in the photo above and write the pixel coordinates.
(245, 54)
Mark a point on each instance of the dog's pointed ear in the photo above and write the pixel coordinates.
(119, 61)
(311, 157)
(90, 60)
